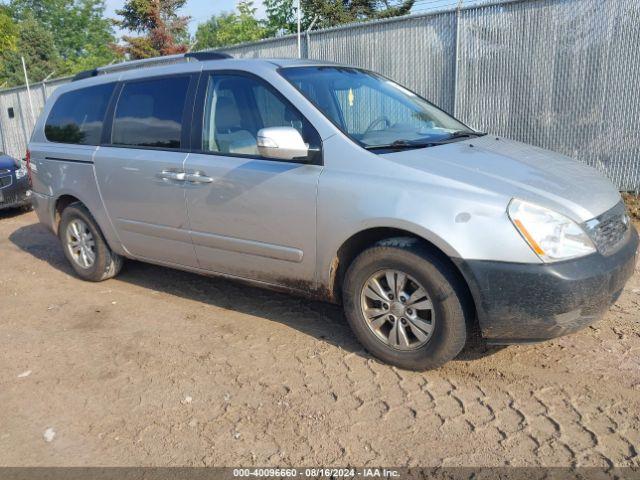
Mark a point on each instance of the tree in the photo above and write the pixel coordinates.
(8, 31)
(208, 33)
(231, 28)
(36, 45)
(281, 17)
(392, 9)
(163, 30)
(82, 35)
(335, 12)
(281, 14)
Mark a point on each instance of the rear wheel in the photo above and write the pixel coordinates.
(85, 247)
(405, 304)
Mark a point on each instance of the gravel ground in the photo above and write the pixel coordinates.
(160, 367)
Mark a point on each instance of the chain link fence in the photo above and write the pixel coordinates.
(559, 74)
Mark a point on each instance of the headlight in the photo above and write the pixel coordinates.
(551, 235)
(21, 172)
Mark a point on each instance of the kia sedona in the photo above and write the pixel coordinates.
(336, 183)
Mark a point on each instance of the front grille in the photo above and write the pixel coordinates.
(4, 171)
(10, 199)
(609, 229)
(5, 181)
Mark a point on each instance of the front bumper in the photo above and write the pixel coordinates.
(519, 303)
(14, 193)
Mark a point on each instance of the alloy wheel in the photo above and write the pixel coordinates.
(397, 309)
(80, 243)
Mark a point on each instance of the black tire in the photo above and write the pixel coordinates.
(107, 264)
(443, 286)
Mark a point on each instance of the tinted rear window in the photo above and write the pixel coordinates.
(77, 116)
(149, 113)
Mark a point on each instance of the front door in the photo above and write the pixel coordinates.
(250, 216)
(140, 168)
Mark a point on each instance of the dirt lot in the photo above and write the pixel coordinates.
(159, 367)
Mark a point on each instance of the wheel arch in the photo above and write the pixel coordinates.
(366, 238)
(64, 199)
(62, 202)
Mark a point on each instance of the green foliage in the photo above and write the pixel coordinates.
(393, 9)
(36, 45)
(57, 37)
(207, 34)
(81, 34)
(163, 30)
(281, 17)
(336, 12)
(231, 28)
(242, 26)
(8, 31)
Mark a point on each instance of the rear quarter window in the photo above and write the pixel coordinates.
(77, 116)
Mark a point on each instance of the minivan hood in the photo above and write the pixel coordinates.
(515, 169)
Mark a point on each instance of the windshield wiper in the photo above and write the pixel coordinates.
(457, 135)
(400, 144)
(403, 144)
(464, 133)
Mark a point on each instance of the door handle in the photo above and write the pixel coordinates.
(169, 175)
(197, 178)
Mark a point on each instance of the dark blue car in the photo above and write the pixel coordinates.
(14, 183)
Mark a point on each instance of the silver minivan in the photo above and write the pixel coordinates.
(336, 183)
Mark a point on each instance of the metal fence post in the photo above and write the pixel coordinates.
(455, 59)
(2, 135)
(307, 45)
(26, 81)
(307, 38)
(26, 132)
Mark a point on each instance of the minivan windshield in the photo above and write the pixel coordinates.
(375, 111)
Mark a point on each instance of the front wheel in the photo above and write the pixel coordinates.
(405, 304)
(85, 247)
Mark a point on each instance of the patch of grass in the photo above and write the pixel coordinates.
(633, 204)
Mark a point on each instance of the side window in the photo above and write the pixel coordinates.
(77, 116)
(149, 113)
(238, 106)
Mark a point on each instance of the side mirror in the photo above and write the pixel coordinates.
(284, 143)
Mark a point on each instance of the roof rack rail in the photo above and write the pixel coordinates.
(85, 74)
(151, 62)
(204, 56)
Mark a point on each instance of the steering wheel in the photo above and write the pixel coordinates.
(376, 121)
